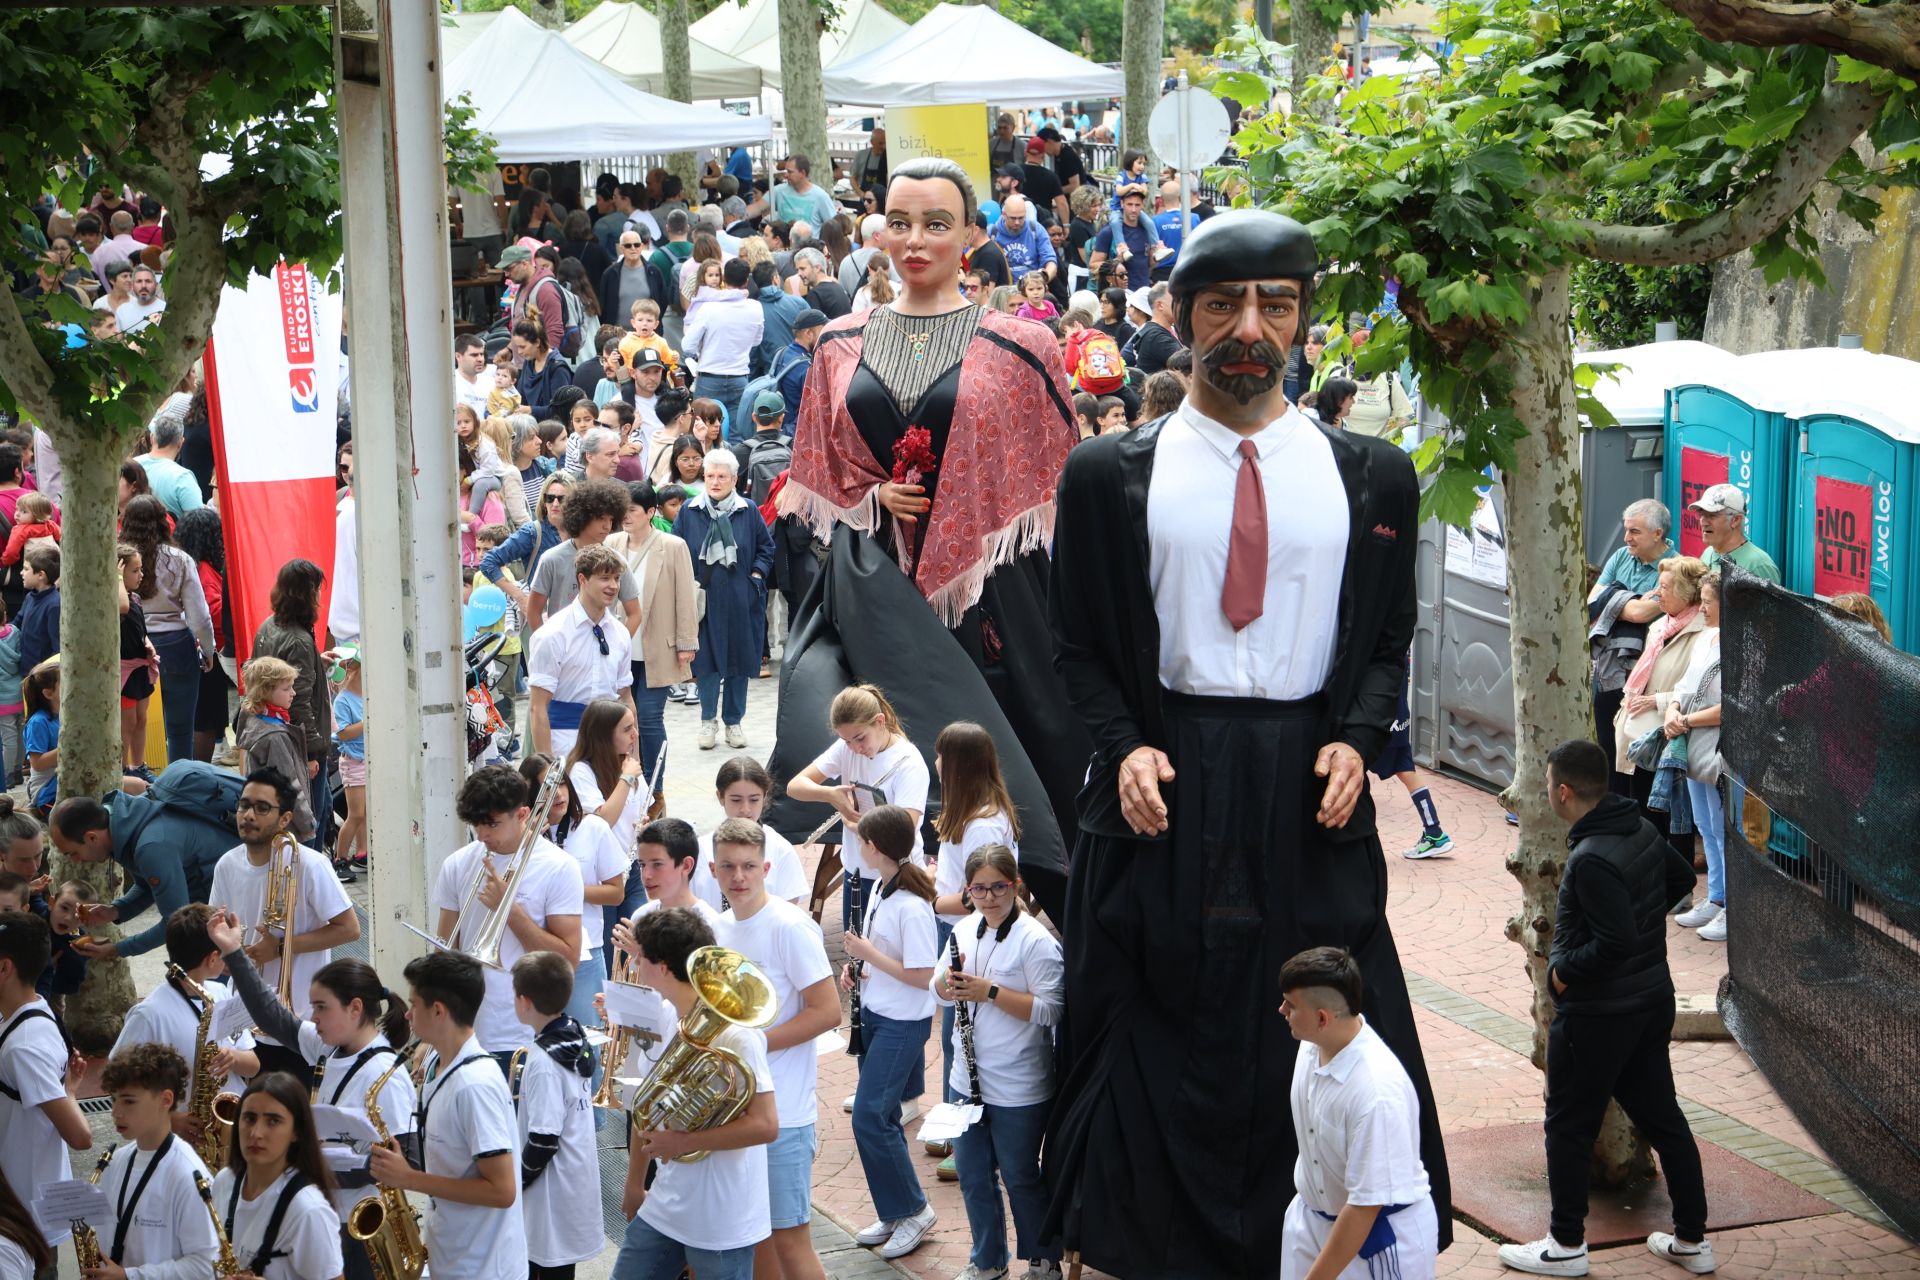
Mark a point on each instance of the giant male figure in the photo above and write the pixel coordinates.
(1233, 602)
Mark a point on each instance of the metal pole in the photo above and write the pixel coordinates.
(399, 298)
(1184, 161)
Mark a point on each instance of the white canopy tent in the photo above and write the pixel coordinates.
(458, 31)
(625, 38)
(543, 99)
(751, 32)
(966, 53)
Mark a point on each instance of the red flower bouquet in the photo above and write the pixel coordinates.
(913, 456)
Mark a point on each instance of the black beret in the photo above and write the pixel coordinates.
(1243, 244)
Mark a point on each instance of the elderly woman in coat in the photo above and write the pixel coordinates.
(732, 554)
(1650, 686)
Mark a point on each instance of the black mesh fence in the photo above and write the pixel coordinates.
(1822, 725)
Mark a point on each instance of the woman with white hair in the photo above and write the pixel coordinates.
(732, 555)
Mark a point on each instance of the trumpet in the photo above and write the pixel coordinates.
(619, 1039)
(478, 933)
(283, 897)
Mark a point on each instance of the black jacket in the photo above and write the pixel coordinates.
(610, 291)
(1107, 637)
(1610, 933)
(1151, 346)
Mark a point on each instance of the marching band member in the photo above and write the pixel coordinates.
(605, 772)
(708, 1215)
(39, 1118)
(160, 1228)
(273, 1196)
(743, 786)
(785, 942)
(24, 1252)
(322, 916)
(357, 1024)
(547, 897)
(1012, 981)
(559, 1168)
(668, 852)
(474, 1229)
(170, 1014)
(591, 842)
(891, 964)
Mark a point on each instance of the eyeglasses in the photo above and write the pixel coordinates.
(553, 498)
(601, 636)
(993, 890)
(969, 288)
(256, 806)
(630, 244)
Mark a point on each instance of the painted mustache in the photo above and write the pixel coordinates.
(1244, 386)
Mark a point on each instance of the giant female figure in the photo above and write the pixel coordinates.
(931, 436)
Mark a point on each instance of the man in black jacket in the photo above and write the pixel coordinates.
(1232, 602)
(1614, 1015)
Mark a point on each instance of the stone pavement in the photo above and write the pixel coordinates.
(1471, 1002)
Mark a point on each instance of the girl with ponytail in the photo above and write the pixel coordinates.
(357, 1029)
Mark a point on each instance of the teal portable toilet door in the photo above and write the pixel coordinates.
(1853, 519)
(1714, 437)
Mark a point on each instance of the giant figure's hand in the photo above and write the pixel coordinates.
(1141, 774)
(907, 502)
(1346, 774)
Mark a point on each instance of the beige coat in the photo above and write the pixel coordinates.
(669, 617)
(1672, 663)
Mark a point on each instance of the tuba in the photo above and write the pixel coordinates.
(478, 932)
(696, 1084)
(385, 1223)
(216, 1111)
(86, 1241)
(283, 897)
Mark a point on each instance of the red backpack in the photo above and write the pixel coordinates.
(1098, 367)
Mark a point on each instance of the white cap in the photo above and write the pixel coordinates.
(1137, 301)
(1720, 497)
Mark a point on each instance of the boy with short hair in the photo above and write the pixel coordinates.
(559, 1171)
(1112, 411)
(667, 852)
(170, 1015)
(160, 1226)
(39, 1118)
(39, 619)
(473, 1229)
(1086, 415)
(1362, 1204)
(708, 1215)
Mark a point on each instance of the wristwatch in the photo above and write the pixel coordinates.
(993, 992)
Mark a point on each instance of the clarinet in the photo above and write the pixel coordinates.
(963, 1018)
(856, 1043)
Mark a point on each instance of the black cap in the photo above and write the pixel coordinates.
(811, 318)
(1050, 133)
(1018, 172)
(1243, 244)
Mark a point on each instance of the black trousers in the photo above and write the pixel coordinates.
(1605, 707)
(1591, 1058)
(355, 1264)
(537, 1272)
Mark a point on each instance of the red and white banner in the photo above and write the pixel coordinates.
(273, 373)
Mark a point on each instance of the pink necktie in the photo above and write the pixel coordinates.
(1243, 597)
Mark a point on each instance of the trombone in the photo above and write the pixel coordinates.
(478, 932)
(283, 899)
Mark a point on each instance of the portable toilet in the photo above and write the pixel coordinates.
(1620, 466)
(1728, 425)
(1855, 511)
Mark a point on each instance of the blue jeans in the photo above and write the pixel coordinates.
(943, 931)
(1710, 821)
(891, 1071)
(1005, 1142)
(179, 689)
(734, 709)
(646, 1254)
(727, 388)
(650, 710)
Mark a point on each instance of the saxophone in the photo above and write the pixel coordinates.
(385, 1222)
(86, 1242)
(696, 1084)
(228, 1263)
(216, 1111)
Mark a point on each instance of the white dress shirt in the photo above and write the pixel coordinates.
(1357, 1119)
(724, 333)
(564, 658)
(1287, 652)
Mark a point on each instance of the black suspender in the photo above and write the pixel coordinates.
(123, 1211)
(15, 1025)
(364, 1057)
(266, 1253)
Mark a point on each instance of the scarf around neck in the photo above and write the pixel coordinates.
(718, 546)
(1657, 638)
(565, 1042)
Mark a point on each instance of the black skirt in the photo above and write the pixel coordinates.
(1171, 1149)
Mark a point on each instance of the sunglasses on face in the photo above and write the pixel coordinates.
(555, 499)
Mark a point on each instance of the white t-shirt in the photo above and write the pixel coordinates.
(660, 1017)
(720, 1202)
(241, 887)
(549, 887)
(1358, 1119)
(33, 1063)
(593, 845)
(345, 1086)
(14, 1263)
(899, 771)
(901, 925)
(951, 875)
(168, 1016)
(1015, 1056)
(632, 816)
(469, 1114)
(787, 881)
(309, 1234)
(169, 1231)
(785, 942)
(473, 394)
(562, 1207)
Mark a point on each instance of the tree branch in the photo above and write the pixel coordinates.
(1884, 35)
(28, 376)
(1836, 118)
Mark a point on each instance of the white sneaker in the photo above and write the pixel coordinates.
(908, 1233)
(909, 1111)
(1439, 846)
(971, 1272)
(847, 1106)
(1701, 914)
(879, 1232)
(1697, 1258)
(709, 734)
(1041, 1269)
(735, 738)
(1715, 930)
(1546, 1257)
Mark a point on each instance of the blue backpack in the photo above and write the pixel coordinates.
(200, 790)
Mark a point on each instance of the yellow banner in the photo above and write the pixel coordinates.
(957, 133)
